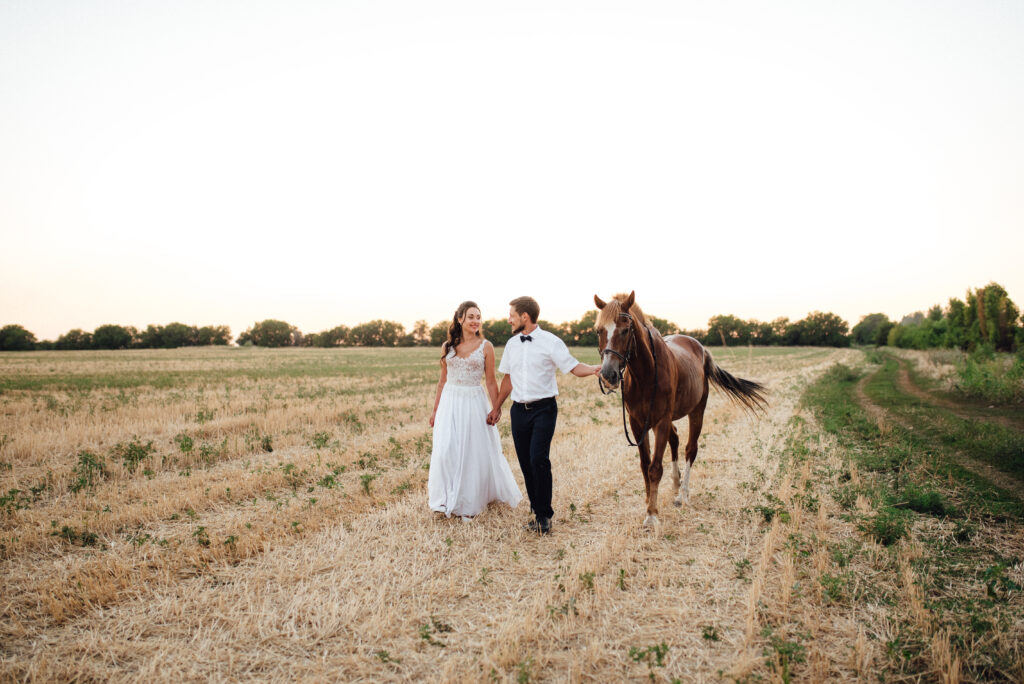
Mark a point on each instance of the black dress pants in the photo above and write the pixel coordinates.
(533, 426)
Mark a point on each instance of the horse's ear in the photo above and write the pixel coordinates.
(630, 300)
(600, 302)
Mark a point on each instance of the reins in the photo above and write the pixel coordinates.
(622, 370)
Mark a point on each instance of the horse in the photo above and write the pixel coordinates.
(663, 379)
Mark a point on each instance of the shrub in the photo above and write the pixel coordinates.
(184, 442)
(89, 468)
(132, 453)
(926, 501)
(887, 527)
(990, 377)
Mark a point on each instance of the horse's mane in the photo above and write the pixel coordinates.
(610, 312)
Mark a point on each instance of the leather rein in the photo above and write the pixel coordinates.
(622, 370)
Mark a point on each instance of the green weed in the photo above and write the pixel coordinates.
(89, 469)
(132, 452)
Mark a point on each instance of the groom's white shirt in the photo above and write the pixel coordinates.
(532, 365)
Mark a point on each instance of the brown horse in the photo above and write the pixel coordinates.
(663, 379)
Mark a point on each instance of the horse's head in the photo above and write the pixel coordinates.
(615, 326)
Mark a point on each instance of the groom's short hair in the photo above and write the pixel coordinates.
(527, 305)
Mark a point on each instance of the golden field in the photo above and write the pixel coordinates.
(238, 514)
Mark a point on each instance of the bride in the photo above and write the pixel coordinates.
(467, 467)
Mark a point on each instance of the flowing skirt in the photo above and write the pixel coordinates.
(467, 467)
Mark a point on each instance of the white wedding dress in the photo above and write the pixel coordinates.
(467, 467)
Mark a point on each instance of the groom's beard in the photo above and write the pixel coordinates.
(519, 330)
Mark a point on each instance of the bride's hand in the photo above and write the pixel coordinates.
(432, 416)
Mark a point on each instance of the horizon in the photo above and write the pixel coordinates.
(334, 164)
(409, 325)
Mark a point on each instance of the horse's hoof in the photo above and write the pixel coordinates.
(651, 521)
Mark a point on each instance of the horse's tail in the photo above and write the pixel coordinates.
(746, 392)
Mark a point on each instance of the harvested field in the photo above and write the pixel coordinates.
(225, 514)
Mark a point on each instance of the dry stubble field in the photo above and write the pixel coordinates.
(225, 514)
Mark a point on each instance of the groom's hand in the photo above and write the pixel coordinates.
(494, 416)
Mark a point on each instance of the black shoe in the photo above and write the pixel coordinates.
(531, 526)
(544, 525)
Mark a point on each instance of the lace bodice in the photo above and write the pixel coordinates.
(466, 371)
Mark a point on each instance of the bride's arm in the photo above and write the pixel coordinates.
(492, 383)
(440, 386)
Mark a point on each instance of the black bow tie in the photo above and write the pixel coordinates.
(525, 338)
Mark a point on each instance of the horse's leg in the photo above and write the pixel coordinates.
(654, 475)
(644, 447)
(696, 423)
(673, 443)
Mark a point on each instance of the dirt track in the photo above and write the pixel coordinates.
(907, 386)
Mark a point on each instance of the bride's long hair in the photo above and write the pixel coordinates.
(455, 329)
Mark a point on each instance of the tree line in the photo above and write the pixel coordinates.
(109, 336)
(986, 316)
(816, 329)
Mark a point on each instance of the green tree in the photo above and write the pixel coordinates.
(420, 334)
(559, 330)
(958, 325)
(213, 335)
(75, 339)
(882, 334)
(496, 330)
(271, 333)
(866, 331)
(728, 330)
(918, 331)
(582, 332)
(761, 334)
(824, 330)
(111, 336)
(16, 338)
(179, 335)
(335, 337)
(663, 326)
(780, 328)
(439, 333)
(377, 333)
(999, 322)
(152, 337)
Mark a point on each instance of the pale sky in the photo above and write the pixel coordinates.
(335, 162)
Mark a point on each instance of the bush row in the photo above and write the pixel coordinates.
(986, 317)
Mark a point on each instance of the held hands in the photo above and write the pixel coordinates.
(494, 416)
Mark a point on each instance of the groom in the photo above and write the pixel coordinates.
(529, 361)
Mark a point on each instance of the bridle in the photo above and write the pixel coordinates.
(630, 350)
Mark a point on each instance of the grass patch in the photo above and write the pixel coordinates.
(909, 471)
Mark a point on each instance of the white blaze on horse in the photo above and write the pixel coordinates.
(663, 379)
